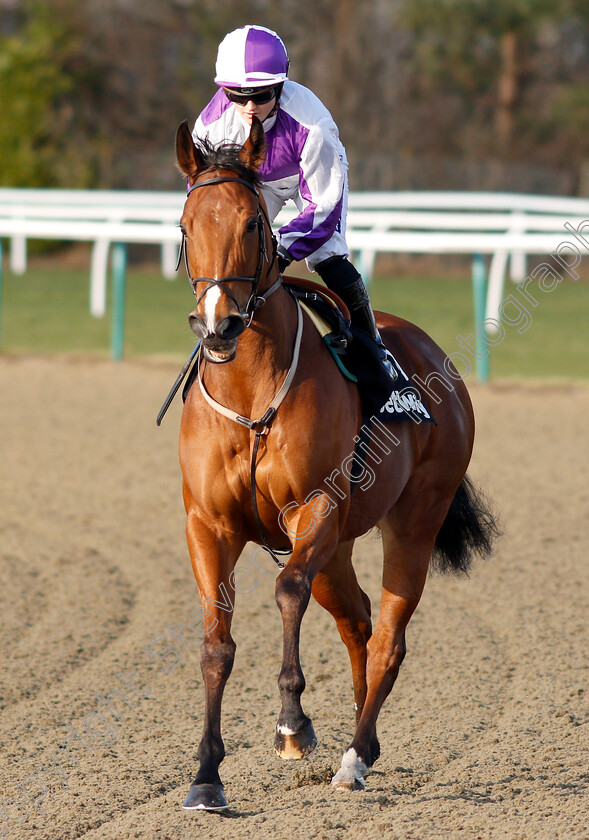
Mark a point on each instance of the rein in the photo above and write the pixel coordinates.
(262, 426)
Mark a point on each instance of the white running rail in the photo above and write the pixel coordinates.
(506, 226)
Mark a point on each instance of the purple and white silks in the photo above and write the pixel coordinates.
(305, 161)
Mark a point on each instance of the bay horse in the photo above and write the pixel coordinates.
(263, 440)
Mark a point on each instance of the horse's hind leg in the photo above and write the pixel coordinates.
(409, 533)
(336, 588)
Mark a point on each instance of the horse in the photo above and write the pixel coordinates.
(267, 427)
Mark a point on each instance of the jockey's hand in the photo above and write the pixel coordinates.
(284, 260)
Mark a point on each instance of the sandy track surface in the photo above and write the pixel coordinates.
(485, 735)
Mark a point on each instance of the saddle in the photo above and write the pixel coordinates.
(329, 315)
(357, 357)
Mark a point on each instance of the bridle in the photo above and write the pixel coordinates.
(259, 427)
(255, 300)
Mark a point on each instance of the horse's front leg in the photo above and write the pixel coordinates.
(213, 560)
(295, 737)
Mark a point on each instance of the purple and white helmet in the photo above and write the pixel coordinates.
(251, 57)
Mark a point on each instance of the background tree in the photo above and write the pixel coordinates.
(34, 87)
(501, 67)
(446, 94)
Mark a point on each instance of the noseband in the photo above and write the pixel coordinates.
(255, 300)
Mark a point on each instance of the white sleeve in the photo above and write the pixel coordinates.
(322, 178)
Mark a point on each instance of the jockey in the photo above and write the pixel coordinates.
(305, 160)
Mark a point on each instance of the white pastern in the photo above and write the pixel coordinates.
(351, 773)
(211, 300)
(285, 730)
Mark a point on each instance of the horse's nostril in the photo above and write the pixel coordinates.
(197, 324)
(230, 327)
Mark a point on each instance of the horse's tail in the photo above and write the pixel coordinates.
(470, 528)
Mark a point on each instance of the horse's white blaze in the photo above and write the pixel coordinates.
(352, 770)
(211, 300)
(285, 730)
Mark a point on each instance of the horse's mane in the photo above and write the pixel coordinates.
(226, 156)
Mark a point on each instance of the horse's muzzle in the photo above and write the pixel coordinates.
(221, 345)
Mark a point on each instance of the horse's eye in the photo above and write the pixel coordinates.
(252, 224)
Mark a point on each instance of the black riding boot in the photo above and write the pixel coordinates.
(341, 277)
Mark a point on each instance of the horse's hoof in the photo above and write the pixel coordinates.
(348, 784)
(205, 798)
(351, 774)
(291, 745)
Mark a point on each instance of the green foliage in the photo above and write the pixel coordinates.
(571, 109)
(34, 86)
(503, 62)
(457, 42)
(91, 92)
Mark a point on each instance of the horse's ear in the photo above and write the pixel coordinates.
(188, 157)
(254, 150)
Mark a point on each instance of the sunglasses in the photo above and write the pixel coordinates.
(242, 98)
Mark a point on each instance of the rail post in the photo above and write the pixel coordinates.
(119, 283)
(479, 293)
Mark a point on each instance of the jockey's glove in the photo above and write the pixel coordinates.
(284, 259)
